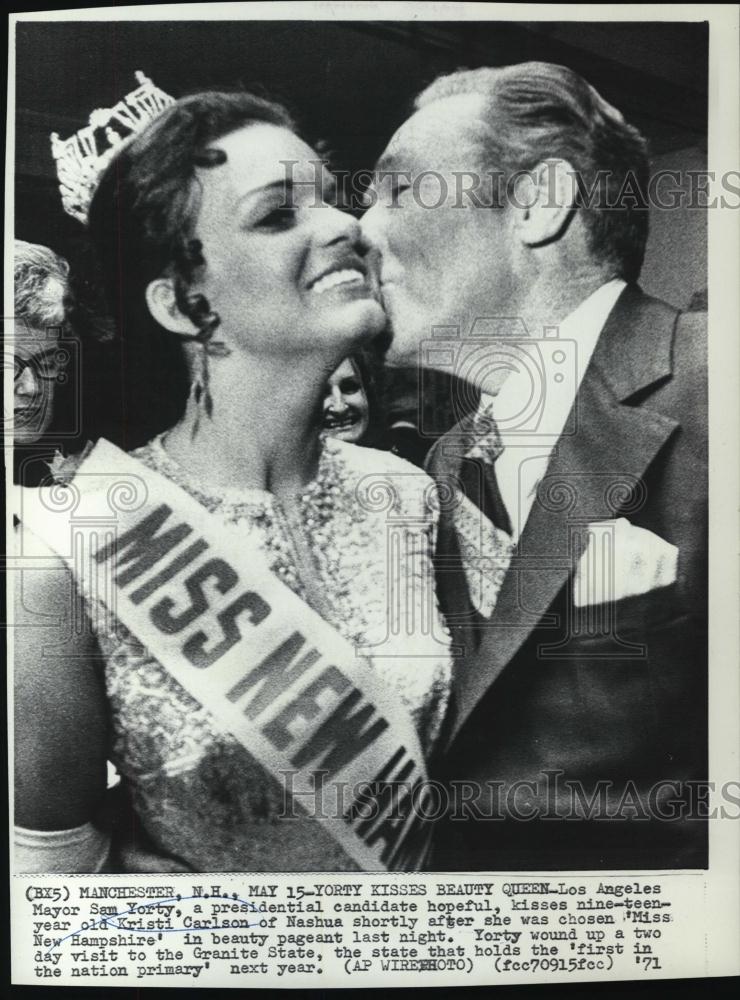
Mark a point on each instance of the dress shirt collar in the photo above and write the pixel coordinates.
(578, 333)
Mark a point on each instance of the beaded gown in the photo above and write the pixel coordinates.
(200, 797)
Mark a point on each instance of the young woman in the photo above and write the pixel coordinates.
(224, 269)
(350, 404)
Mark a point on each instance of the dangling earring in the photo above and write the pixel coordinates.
(199, 391)
(196, 307)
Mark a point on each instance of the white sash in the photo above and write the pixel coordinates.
(291, 690)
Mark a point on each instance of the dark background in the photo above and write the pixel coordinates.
(351, 84)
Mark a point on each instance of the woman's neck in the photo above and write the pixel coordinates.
(264, 429)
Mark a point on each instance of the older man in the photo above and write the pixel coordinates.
(510, 216)
(40, 279)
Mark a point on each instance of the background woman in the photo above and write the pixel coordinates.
(266, 287)
(351, 404)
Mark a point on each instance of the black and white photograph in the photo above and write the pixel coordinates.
(359, 466)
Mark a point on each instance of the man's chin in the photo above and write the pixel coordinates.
(401, 353)
(381, 342)
(396, 350)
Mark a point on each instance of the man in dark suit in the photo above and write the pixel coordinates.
(577, 737)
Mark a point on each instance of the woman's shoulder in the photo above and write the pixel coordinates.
(375, 460)
(380, 479)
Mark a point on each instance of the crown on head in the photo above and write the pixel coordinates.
(83, 157)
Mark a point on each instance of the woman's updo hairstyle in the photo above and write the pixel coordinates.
(141, 220)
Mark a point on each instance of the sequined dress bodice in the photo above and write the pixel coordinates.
(201, 797)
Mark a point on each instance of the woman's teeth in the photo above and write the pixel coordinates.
(337, 278)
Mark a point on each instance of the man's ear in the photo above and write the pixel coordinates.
(162, 304)
(545, 198)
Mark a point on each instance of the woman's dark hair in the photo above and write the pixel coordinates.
(142, 219)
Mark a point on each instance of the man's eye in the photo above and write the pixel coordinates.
(329, 192)
(50, 368)
(42, 365)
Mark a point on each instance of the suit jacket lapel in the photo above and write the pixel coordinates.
(594, 474)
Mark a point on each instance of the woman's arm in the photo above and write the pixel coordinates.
(60, 706)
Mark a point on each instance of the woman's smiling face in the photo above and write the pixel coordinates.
(346, 411)
(285, 271)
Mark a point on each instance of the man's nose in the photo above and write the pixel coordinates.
(26, 384)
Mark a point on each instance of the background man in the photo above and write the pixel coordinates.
(40, 279)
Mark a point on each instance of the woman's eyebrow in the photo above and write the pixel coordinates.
(284, 184)
(291, 188)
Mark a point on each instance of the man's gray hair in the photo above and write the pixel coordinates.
(40, 285)
(537, 111)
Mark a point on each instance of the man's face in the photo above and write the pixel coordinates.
(447, 257)
(38, 362)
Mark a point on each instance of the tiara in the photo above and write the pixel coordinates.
(82, 158)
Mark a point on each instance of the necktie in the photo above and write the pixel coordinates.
(487, 444)
(478, 472)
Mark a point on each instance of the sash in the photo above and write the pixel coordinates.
(203, 600)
